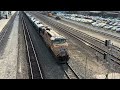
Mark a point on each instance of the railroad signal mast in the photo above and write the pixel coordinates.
(107, 56)
(107, 44)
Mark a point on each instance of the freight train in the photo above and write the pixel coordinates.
(57, 43)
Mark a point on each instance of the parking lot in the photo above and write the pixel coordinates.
(109, 23)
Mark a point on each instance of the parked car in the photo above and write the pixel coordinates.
(115, 23)
(94, 23)
(57, 18)
(102, 24)
(118, 29)
(115, 27)
(107, 26)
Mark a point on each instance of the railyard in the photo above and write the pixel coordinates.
(24, 53)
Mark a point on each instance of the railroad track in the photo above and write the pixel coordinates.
(34, 65)
(93, 29)
(69, 72)
(101, 41)
(93, 43)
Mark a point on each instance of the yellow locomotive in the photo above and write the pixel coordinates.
(57, 43)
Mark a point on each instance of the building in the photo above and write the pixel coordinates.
(4, 14)
(113, 14)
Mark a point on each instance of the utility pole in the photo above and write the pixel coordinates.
(86, 68)
(108, 56)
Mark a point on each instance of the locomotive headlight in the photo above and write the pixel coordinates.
(62, 52)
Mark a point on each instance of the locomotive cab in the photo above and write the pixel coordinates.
(60, 48)
(57, 18)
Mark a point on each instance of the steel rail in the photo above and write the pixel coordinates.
(69, 68)
(35, 69)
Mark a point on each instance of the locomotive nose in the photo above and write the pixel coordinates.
(62, 52)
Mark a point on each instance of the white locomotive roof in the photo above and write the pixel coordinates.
(55, 35)
(37, 21)
(40, 25)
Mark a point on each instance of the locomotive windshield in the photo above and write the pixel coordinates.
(59, 41)
(38, 23)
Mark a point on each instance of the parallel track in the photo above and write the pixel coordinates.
(69, 72)
(35, 68)
(101, 41)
